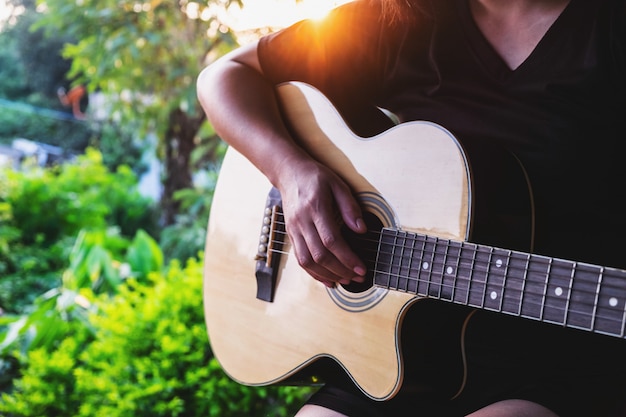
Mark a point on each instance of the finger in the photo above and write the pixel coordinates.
(319, 262)
(349, 210)
(334, 253)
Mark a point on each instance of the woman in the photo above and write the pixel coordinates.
(540, 79)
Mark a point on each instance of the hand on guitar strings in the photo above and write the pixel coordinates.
(316, 203)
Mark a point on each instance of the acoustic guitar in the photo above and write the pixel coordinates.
(268, 320)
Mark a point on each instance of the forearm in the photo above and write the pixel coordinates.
(242, 107)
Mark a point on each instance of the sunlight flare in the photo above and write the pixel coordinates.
(278, 13)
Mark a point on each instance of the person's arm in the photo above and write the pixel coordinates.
(240, 103)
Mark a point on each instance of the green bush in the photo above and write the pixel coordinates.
(149, 357)
(43, 210)
(48, 204)
(101, 328)
(186, 237)
(99, 262)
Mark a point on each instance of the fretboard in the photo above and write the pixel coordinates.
(567, 293)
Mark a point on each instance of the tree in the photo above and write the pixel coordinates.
(31, 71)
(146, 53)
(45, 69)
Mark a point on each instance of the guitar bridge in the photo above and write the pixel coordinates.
(270, 246)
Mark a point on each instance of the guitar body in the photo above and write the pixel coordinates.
(413, 177)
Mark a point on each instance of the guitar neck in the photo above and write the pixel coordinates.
(551, 290)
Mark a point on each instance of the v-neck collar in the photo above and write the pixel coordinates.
(492, 60)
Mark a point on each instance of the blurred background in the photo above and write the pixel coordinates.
(107, 168)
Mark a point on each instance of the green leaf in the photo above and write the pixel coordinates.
(144, 255)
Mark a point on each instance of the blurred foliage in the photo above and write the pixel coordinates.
(147, 55)
(186, 237)
(31, 69)
(119, 145)
(99, 262)
(40, 56)
(49, 203)
(12, 81)
(25, 120)
(147, 354)
(117, 331)
(42, 210)
(98, 319)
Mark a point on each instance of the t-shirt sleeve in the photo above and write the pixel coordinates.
(345, 56)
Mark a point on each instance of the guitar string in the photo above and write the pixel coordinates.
(565, 314)
(485, 269)
(538, 260)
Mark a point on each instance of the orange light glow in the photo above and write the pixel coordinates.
(278, 13)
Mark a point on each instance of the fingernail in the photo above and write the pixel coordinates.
(359, 270)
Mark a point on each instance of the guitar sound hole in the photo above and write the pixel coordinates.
(366, 246)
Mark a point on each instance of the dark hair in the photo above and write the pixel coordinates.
(400, 11)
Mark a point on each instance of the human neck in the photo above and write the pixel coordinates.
(518, 7)
(515, 27)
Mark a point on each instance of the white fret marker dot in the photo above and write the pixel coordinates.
(449, 270)
(558, 291)
(425, 265)
(493, 295)
(613, 302)
(499, 263)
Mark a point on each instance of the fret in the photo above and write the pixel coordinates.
(439, 268)
(382, 270)
(595, 302)
(610, 302)
(400, 255)
(505, 273)
(479, 276)
(422, 281)
(462, 274)
(447, 290)
(429, 280)
(412, 282)
(450, 269)
(496, 278)
(515, 283)
(534, 286)
(402, 274)
(545, 289)
(422, 284)
(472, 269)
(558, 287)
(457, 248)
(434, 290)
(487, 266)
(393, 270)
(569, 297)
(584, 298)
(551, 290)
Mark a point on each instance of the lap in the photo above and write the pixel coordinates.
(507, 408)
(523, 371)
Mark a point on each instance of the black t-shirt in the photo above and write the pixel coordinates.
(560, 112)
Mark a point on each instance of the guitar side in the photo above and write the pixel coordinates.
(412, 177)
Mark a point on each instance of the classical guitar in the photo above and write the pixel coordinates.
(268, 320)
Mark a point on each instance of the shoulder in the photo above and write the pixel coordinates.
(366, 19)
